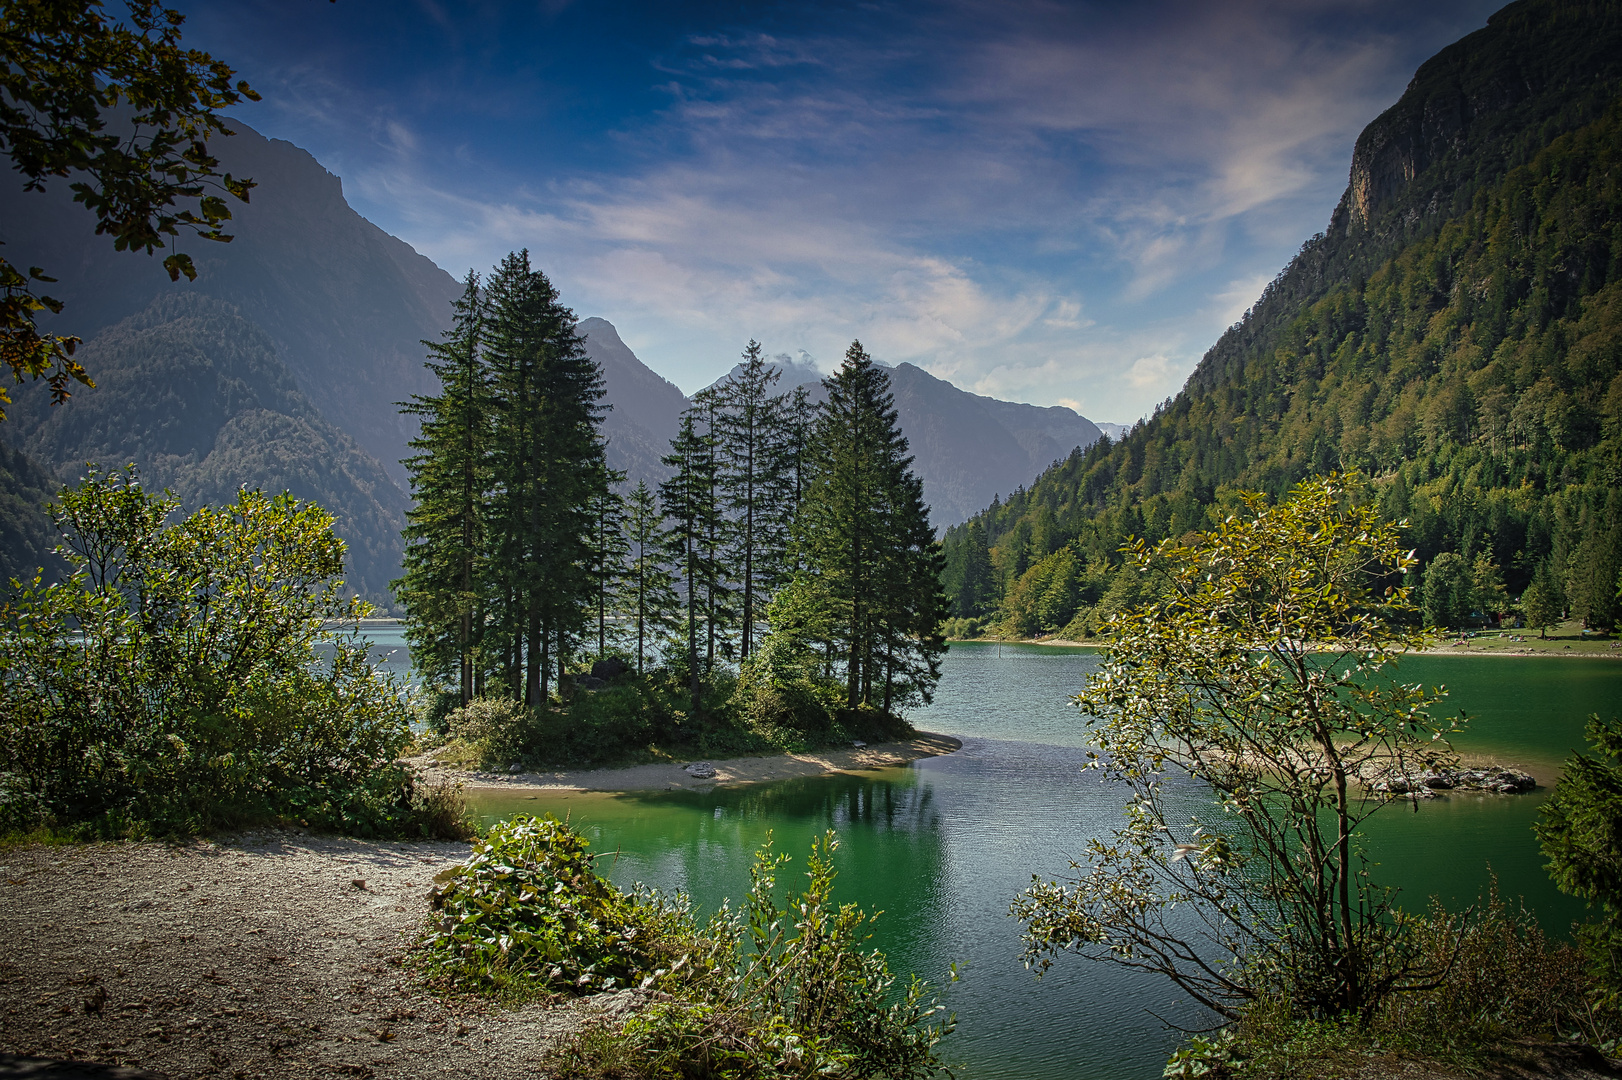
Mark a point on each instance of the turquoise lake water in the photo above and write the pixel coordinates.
(943, 844)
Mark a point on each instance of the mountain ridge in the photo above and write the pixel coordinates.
(1458, 338)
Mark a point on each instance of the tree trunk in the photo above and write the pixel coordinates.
(535, 679)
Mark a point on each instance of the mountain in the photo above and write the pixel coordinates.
(305, 332)
(344, 303)
(198, 397)
(967, 449)
(27, 538)
(645, 409)
(1455, 334)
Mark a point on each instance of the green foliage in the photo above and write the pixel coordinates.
(527, 913)
(494, 732)
(66, 68)
(1543, 603)
(1503, 983)
(186, 676)
(546, 467)
(446, 557)
(789, 707)
(1580, 828)
(648, 597)
(1261, 671)
(868, 584)
(786, 992)
(1465, 348)
(1448, 595)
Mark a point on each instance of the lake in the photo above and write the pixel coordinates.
(941, 845)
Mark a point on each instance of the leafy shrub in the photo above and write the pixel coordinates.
(186, 676)
(789, 711)
(492, 732)
(1580, 828)
(1502, 981)
(781, 989)
(526, 913)
(959, 628)
(799, 998)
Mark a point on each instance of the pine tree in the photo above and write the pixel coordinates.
(649, 598)
(869, 556)
(688, 501)
(548, 468)
(1542, 604)
(718, 531)
(755, 466)
(1596, 564)
(609, 548)
(443, 588)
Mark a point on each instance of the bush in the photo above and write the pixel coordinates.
(959, 628)
(186, 677)
(1503, 982)
(492, 732)
(528, 914)
(788, 711)
(781, 989)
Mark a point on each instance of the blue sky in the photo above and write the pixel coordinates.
(1059, 203)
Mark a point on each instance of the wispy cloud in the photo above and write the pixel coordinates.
(1037, 200)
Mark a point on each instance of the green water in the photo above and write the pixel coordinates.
(941, 845)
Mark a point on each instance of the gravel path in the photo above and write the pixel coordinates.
(264, 955)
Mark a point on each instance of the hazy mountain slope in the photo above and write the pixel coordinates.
(344, 303)
(196, 395)
(1457, 333)
(26, 535)
(966, 448)
(646, 408)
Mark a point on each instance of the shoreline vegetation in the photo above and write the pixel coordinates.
(1568, 640)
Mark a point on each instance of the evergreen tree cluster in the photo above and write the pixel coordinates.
(789, 555)
(1473, 370)
(509, 468)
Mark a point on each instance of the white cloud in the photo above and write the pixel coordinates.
(1040, 202)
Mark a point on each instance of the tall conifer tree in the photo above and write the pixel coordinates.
(688, 501)
(754, 468)
(548, 468)
(648, 597)
(868, 555)
(608, 551)
(443, 589)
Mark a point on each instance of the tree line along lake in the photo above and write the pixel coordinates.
(942, 845)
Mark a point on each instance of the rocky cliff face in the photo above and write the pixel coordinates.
(1480, 107)
(1554, 60)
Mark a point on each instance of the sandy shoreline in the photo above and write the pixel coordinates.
(662, 776)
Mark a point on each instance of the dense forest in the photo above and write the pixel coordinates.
(1455, 337)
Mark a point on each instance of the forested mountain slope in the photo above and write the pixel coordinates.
(1456, 334)
(345, 304)
(197, 396)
